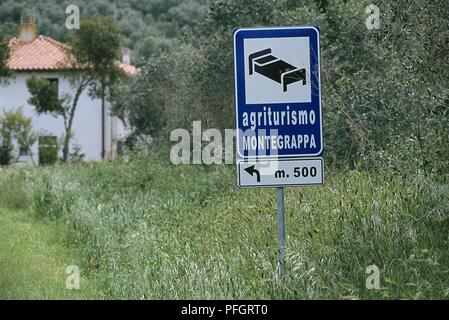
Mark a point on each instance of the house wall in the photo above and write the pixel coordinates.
(86, 124)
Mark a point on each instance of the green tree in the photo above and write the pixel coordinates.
(92, 54)
(4, 54)
(16, 127)
(96, 47)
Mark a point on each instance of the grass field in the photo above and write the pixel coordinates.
(33, 259)
(149, 230)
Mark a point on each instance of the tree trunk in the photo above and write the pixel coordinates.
(65, 149)
(68, 130)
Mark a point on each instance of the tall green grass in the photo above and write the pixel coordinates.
(12, 189)
(151, 230)
(33, 260)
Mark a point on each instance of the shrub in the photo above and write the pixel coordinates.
(13, 190)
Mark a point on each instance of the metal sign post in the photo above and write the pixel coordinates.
(281, 230)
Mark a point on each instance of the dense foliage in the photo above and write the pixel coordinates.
(385, 91)
(4, 54)
(148, 25)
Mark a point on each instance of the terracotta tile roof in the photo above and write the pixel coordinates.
(44, 54)
(41, 54)
(130, 69)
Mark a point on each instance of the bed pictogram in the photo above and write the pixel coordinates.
(275, 69)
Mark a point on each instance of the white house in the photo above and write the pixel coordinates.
(96, 131)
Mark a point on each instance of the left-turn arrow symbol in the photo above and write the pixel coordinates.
(251, 170)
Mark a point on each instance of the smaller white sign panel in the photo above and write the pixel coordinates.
(280, 172)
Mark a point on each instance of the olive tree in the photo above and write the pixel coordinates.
(96, 47)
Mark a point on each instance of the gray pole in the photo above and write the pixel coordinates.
(281, 230)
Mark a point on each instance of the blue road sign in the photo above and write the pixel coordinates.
(277, 92)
